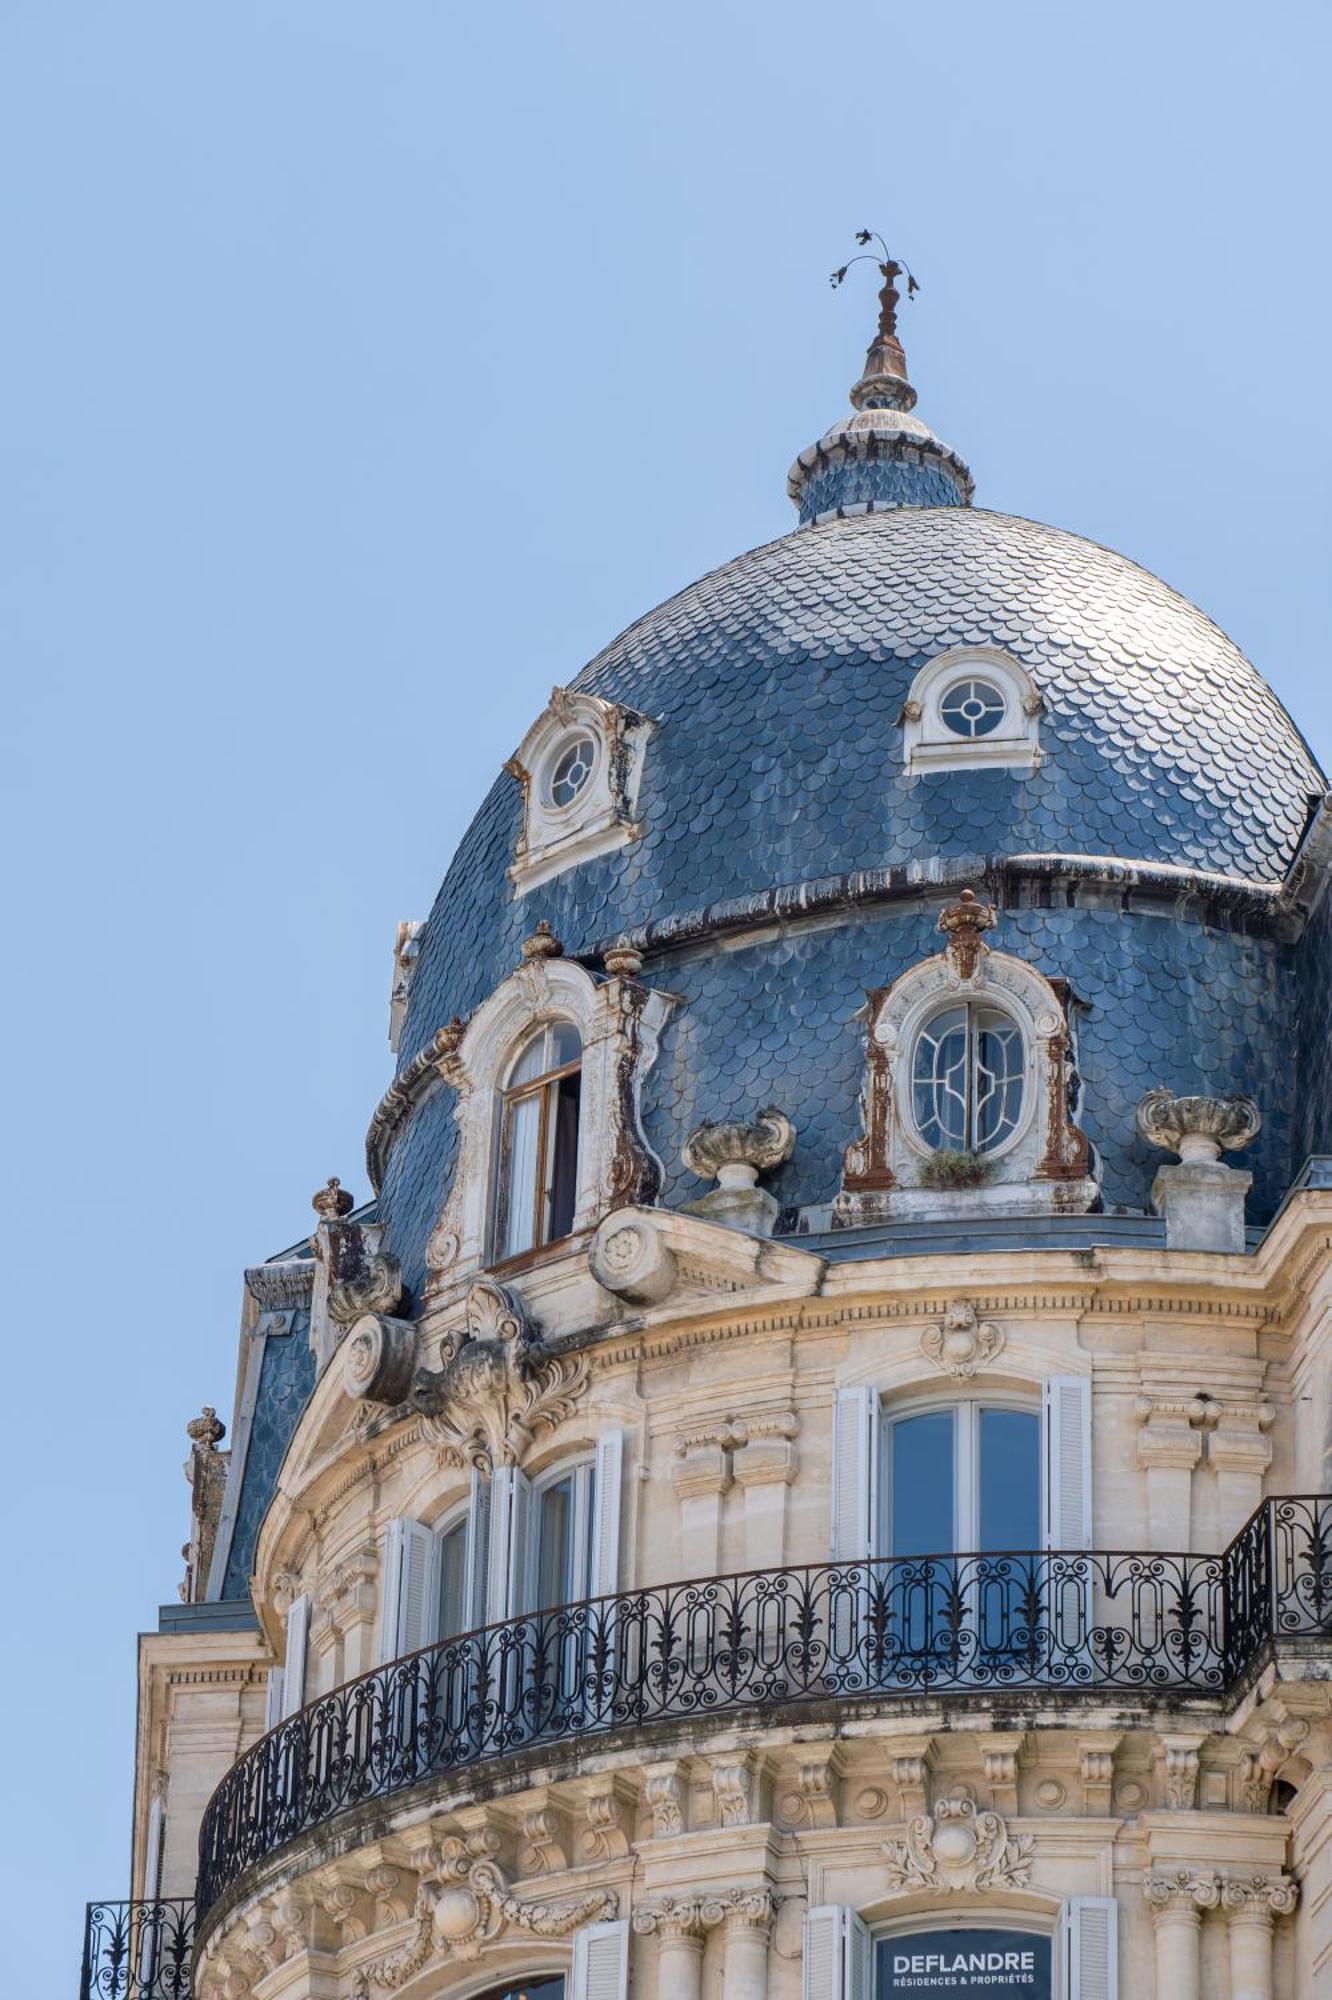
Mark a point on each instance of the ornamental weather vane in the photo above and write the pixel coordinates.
(885, 379)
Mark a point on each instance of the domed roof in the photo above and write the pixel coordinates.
(786, 671)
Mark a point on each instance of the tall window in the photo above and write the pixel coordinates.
(967, 1077)
(564, 1538)
(538, 1152)
(963, 1478)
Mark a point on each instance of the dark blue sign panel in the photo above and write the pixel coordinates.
(1001, 1965)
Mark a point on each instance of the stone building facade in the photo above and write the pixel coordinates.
(808, 1474)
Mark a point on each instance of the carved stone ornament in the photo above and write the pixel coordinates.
(379, 1359)
(500, 1386)
(959, 1847)
(1197, 1128)
(332, 1201)
(735, 1153)
(963, 923)
(465, 1906)
(542, 943)
(376, 1288)
(961, 1342)
(1259, 1896)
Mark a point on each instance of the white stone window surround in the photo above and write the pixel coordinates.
(602, 814)
(619, 1022)
(1022, 1175)
(929, 744)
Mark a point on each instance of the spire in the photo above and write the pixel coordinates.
(882, 457)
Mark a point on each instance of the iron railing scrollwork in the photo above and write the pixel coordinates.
(138, 1951)
(1054, 1623)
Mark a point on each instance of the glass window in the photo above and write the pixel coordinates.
(546, 1986)
(537, 1183)
(453, 1580)
(564, 1539)
(967, 1078)
(570, 770)
(963, 1480)
(973, 708)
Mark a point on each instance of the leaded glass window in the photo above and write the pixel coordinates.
(571, 769)
(967, 1078)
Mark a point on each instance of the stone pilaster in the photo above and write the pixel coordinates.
(1251, 1904)
(1177, 1900)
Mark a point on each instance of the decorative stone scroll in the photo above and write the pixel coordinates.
(1046, 1164)
(959, 1847)
(466, 1903)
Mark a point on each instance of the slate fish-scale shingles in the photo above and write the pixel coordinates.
(1165, 1003)
(286, 1377)
(1313, 1057)
(777, 682)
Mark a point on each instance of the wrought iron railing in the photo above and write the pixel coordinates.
(138, 1951)
(1044, 1624)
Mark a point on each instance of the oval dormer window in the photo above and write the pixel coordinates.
(968, 1076)
(571, 769)
(972, 708)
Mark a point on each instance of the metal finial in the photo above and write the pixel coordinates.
(884, 383)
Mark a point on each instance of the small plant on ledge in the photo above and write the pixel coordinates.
(948, 1170)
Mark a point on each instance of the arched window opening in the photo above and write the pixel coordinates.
(967, 1078)
(537, 1185)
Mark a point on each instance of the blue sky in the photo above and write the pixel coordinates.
(364, 369)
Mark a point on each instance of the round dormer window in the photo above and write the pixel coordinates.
(570, 769)
(972, 708)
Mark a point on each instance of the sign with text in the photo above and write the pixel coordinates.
(1001, 1964)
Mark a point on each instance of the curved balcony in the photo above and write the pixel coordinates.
(1049, 1624)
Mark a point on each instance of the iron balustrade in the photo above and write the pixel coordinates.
(138, 1951)
(1040, 1623)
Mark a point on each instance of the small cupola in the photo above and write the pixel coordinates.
(882, 456)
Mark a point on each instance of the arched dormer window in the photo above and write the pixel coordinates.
(970, 707)
(536, 1183)
(970, 1088)
(546, 1077)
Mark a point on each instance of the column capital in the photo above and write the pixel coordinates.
(1258, 1898)
(1181, 1893)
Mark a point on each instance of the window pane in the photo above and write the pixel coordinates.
(554, 1545)
(566, 1045)
(564, 1158)
(921, 1484)
(520, 1175)
(452, 1581)
(1010, 1480)
(532, 1062)
(939, 1080)
(997, 1084)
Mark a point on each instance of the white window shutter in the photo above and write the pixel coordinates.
(1067, 1495)
(855, 1475)
(390, 1597)
(606, 1514)
(152, 1851)
(859, 1959)
(522, 1535)
(475, 1609)
(1091, 1948)
(600, 1968)
(825, 1953)
(293, 1668)
(273, 1699)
